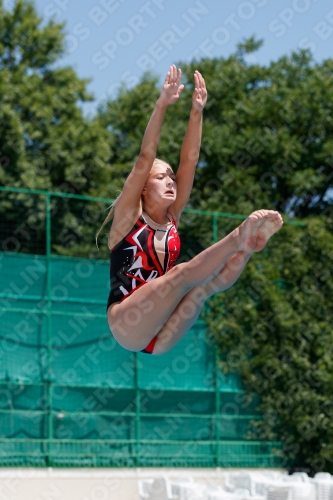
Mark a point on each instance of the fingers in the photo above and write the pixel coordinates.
(173, 77)
(179, 76)
(196, 80)
(173, 73)
(180, 89)
(199, 82)
(171, 88)
(199, 97)
(169, 76)
(176, 75)
(202, 82)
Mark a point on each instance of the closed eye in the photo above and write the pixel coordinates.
(161, 176)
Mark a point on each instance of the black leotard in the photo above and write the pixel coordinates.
(149, 250)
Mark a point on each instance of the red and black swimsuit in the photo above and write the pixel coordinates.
(149, 250)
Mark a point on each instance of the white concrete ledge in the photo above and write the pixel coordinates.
(95, 484)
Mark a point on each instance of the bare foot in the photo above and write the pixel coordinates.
(256, 230)
(271, 224)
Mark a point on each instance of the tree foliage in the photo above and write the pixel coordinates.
(46, 142)
(274, 327)
(267, 135)
(267, 143)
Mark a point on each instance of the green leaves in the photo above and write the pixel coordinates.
(266, 132)
(280, 318)
(47, 142)
(249, 45)
(24, 43)
(267, 143)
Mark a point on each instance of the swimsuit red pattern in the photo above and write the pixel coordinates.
(148, 251)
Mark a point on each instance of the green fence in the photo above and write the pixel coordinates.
(69, 394)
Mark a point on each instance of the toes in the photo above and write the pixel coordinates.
(254, 217)
(273, 215)
(260, 226)
(262, 215)
(258, 214)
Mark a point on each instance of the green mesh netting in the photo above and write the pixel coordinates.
(69, 394)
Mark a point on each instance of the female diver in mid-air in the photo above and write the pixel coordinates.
(152, 303)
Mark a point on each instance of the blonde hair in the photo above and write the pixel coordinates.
(111, 207)
(158, 160)
(108, 217)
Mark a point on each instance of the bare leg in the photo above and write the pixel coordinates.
(189, 308)
(136, 320)
(229, 274)
(141, 316)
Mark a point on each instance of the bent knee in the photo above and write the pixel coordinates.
(127, 341)
(126, 334)
(123, 334)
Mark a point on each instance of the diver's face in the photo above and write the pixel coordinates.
(161, 185)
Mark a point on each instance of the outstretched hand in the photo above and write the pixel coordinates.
(171, 89)
(199, 97)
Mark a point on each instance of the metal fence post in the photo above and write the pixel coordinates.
(49, 334)
(244, 451)
(217, 410)
(137, 410)
(217, 387)
(215, 228)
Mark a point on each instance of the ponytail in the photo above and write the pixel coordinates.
(111, 213)
(108, 218)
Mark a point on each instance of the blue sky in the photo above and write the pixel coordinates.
(112, 41)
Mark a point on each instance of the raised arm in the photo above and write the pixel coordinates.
(131, 193)
(191, 146)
